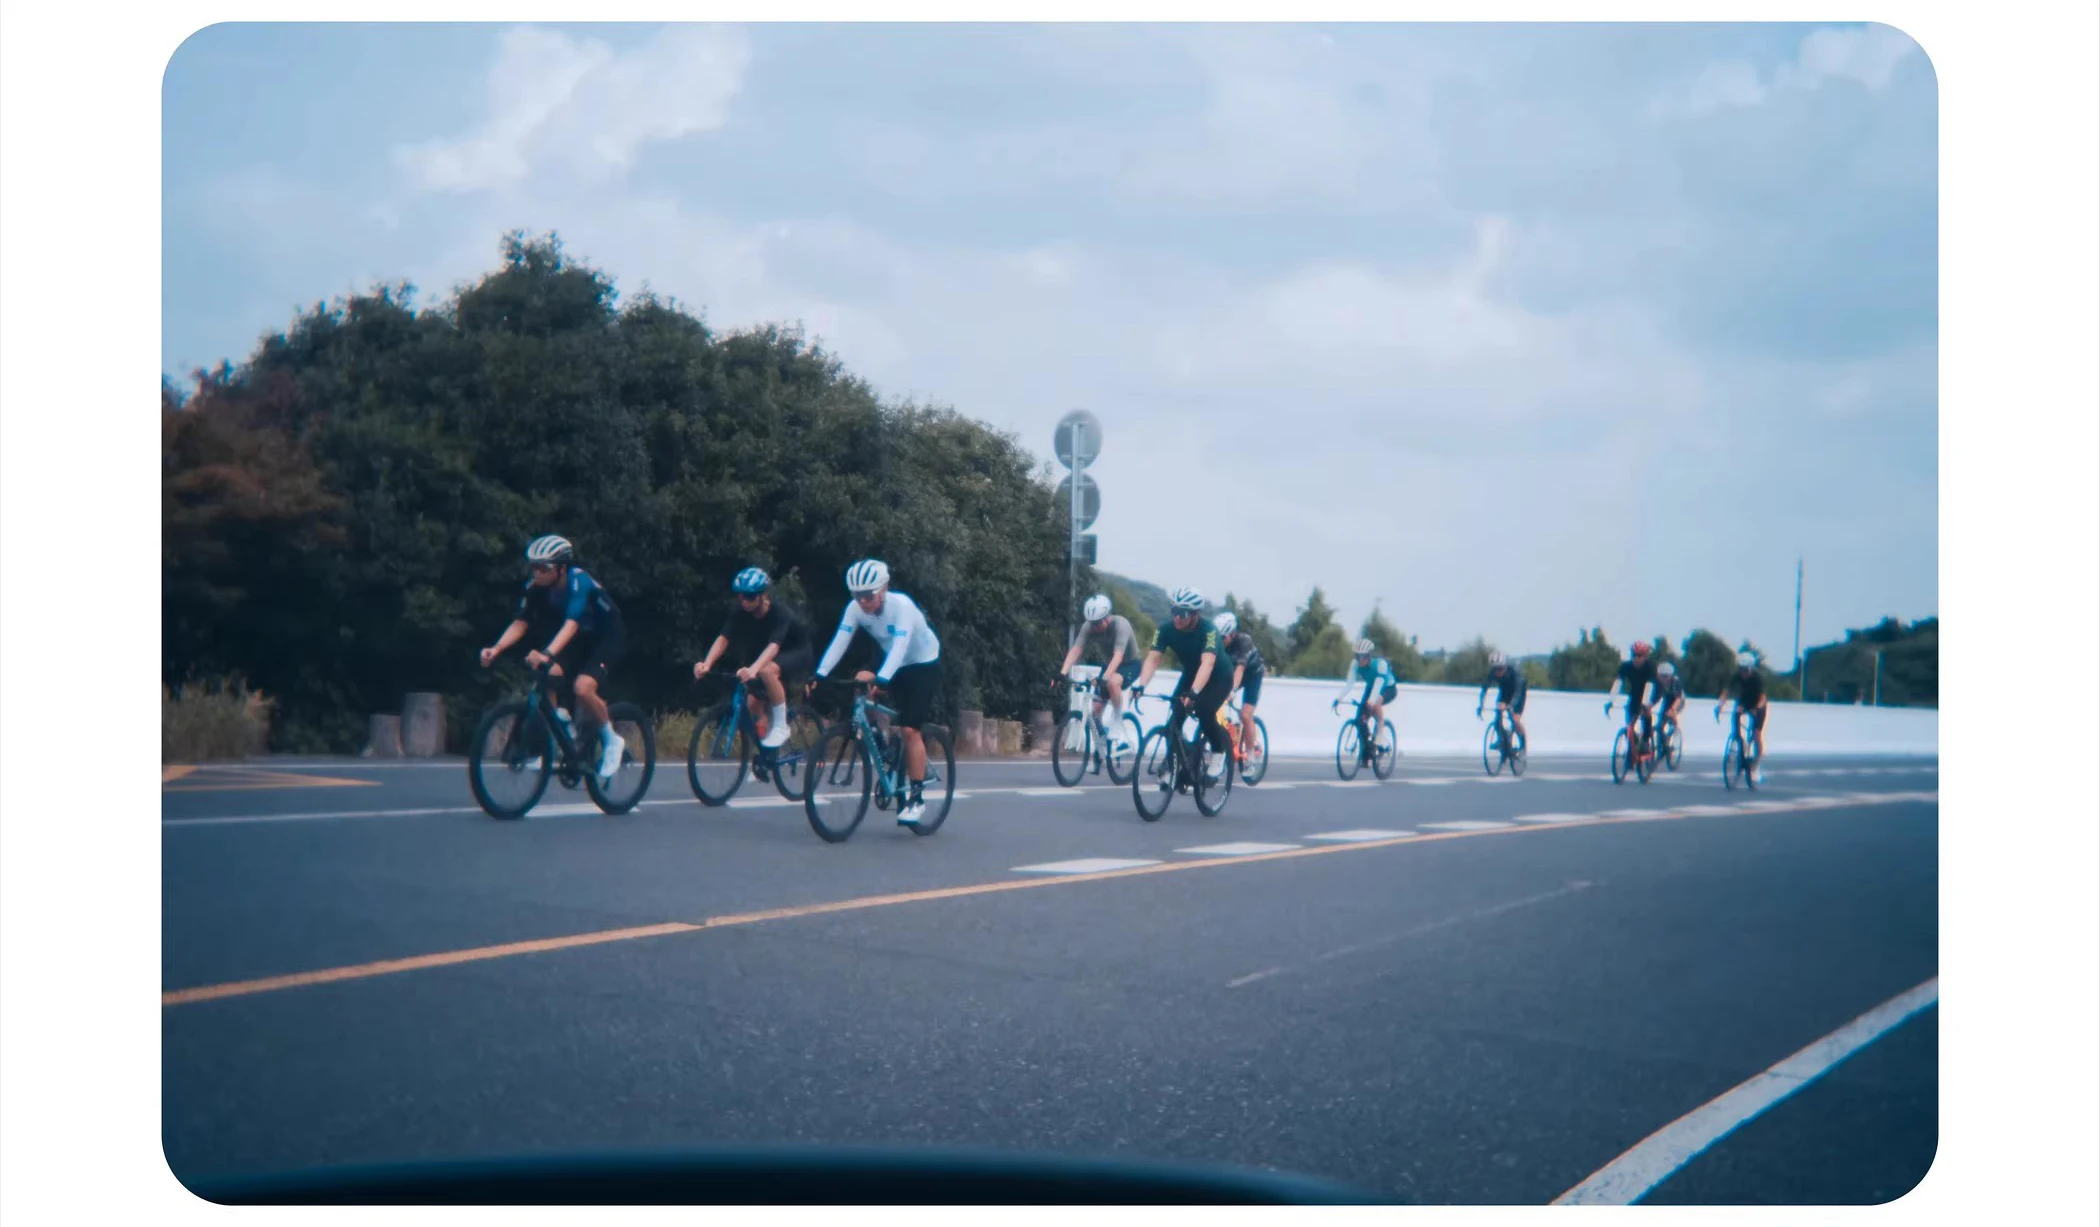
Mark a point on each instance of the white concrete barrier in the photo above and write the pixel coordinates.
(1439, 720)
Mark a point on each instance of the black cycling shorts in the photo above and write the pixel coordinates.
(1250, 688)
(593, 657)
(912, 692)
(1387, 693)
(1516, 702)
(794, 662)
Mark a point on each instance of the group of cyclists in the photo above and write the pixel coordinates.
(572, 613)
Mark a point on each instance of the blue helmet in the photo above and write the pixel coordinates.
(750, 580)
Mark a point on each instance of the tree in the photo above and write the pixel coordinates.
(1267, 639)
(1397, 648)
(1327, 656)
(1314, 617)
(435, 442)
(1468, 666)
(1535, 675)
(1708, 663)
(1590, 663)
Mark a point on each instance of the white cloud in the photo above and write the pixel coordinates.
(1867, 55)
(576, 101)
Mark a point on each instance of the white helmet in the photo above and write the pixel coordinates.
(1187, 600)
(550, 549)
(1666, 669)
(1746, 659)
(1097, 607)
(1496, 660)
(1226, 623)
(1365, 647)
(867, 575)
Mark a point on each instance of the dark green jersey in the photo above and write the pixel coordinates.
(1188, 646)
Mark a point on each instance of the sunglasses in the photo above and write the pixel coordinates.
(542, 568)
(750, 598)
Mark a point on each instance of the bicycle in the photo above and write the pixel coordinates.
(509, 754)
(1357, 747)
(1252, 765)
(725, 747)
(1083, 743)
(1629, 757)
(1168, 764)
(1502, 745)
(1739, 760)
(1672, 741)
(857, 757)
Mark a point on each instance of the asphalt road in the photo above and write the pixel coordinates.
(1440, 988)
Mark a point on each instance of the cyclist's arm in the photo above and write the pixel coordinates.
(1239, 674)
(562, 637)
(511, 634)
(1150, 667)
(769, 652)
(715, 653)
(893, 660)
(1613, 693)
(1205, 663)
(839, 643)
(1078, 646)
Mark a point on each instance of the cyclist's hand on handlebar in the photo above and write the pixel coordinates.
(488, 657)
(536, 658)
(699, 669)
(865, 675)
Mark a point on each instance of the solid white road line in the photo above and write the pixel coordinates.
(1238, 849)
(1658, 1156)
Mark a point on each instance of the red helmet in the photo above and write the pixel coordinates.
(1640, 648)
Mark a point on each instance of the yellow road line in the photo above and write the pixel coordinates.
(360, 971)
(243, 779)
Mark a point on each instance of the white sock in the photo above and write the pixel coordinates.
(779, 715)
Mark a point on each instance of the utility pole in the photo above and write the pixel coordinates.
(1877, 677)
(1800, 662)
(1077, 442)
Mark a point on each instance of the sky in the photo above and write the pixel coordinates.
(1509, 329)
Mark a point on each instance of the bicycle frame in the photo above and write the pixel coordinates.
(1366, 736)
(889, 782)
(764, 758)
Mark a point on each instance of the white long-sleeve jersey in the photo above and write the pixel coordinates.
(900, 628)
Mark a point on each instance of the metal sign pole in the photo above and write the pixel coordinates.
(1072, 537)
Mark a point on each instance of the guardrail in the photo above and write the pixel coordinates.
(1433, 720)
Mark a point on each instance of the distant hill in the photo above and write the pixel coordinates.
(1149, 597)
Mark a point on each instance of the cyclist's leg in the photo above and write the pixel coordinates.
(1757, 728)
(588, 662)
(1207, 703)
(913, 688)
(1250, 699)
(1516, 715)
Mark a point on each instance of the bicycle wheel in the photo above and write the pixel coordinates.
(1348, 757)
(1621, 756)
(1152, 783)
(1749, 766)
(1385, 752)
(509, 762)
(838, 784)
(1520, 757)
(1072, 749)
(1257, 765)
(630, 780)
(1731, 758)
(1673, 746)
(1122, 757)
(1491, 749)
(1644, 766)
(717, 757)
(789, 762)
(1211, 798)
(939, 788)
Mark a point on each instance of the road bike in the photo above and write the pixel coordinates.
(726, 746)
(1502, 745)
(857, 760)
(1357, 745)
(1170, 762)
(522, 744)
(1083, 742)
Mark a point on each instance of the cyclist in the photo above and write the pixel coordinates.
(1203, 686)
(1637, 675)
(1669, 695)
(773, 643)
(1121, 668)
(563, 600)
(1749, 687)
(1510, 689)
(1371, 671)
(1248, 669)
(910, 668)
